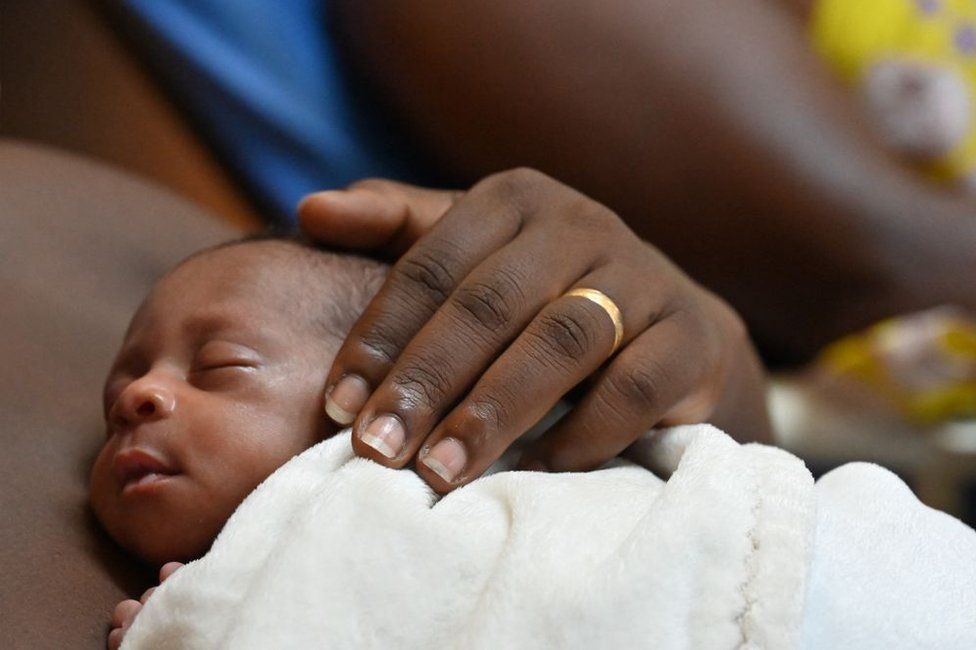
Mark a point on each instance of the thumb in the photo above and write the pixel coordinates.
(373, 215)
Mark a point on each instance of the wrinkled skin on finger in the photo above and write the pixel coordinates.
(713, 128)
(472, 339)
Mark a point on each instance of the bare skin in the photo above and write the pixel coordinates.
(214, 388)
(709, 126)
(126, 611)
(219, 379)
(472, 340)
(217, 384)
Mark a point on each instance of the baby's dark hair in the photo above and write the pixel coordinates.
(355, 280)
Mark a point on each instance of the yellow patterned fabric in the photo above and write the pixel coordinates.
(855, 34)
(924, 365)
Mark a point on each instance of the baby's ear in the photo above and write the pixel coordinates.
(373, 215)
(922, 110)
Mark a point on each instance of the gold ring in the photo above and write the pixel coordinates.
(608, 306)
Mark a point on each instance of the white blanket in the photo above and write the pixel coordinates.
(735, 549)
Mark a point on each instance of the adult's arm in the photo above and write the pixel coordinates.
(708, 125)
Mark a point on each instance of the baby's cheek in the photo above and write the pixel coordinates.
(230, 468)
(239, 440)
(101, 480)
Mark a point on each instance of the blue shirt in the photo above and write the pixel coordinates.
(264, 81)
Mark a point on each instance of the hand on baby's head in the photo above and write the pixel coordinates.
(218, 383)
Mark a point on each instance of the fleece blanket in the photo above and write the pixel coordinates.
(720, 546)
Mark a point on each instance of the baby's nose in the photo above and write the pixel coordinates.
(148, 407)
(143, 401)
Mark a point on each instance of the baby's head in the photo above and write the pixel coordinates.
(219, 382)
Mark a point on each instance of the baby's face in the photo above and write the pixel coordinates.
(217, 384)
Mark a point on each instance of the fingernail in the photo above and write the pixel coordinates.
(385, 434)
(446, 459)
(345, 400)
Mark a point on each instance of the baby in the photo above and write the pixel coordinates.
(218, 383)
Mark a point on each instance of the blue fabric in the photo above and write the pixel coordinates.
(264, 81)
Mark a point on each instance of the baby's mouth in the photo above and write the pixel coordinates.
(136, 469)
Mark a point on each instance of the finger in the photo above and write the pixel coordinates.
(651, 378)
(741, 410)
(146, 595)
(169, 569)
(375, 215)
(492, 306)
(115, 638)
(125, 612)
(414, 290)
(564, 344)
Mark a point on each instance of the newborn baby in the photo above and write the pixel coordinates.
(217, 384)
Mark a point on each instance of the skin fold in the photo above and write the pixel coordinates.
(219, 380)
(212, 390)
(472, 339)
(709, 126)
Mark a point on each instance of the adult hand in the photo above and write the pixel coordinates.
(472, 339)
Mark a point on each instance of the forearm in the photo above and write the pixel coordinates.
(708, 125)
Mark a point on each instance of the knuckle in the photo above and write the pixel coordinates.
(639, 382)
(528, 177)
(518, 180)
(430, 270)
(586, 216)
(492, 304)
(482, 418)
(734, 324)
(730, 342)
(714, 330)
(380, 343)
(709, 349)
(421, 386)
(521, 187)
(566, 335)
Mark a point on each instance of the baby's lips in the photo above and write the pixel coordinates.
(134, 463)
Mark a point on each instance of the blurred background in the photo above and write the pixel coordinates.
(69, 80)
(133, 132)
(111, 80)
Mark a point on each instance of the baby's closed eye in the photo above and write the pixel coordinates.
(220, 362)
(215, 355)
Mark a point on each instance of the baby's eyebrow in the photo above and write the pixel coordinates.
(201, 328)
(203, 325)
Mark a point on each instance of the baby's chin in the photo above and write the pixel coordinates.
(160, 537)
(158, 549)
(164, 542)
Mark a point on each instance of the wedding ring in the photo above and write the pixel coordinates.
(608, 306)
